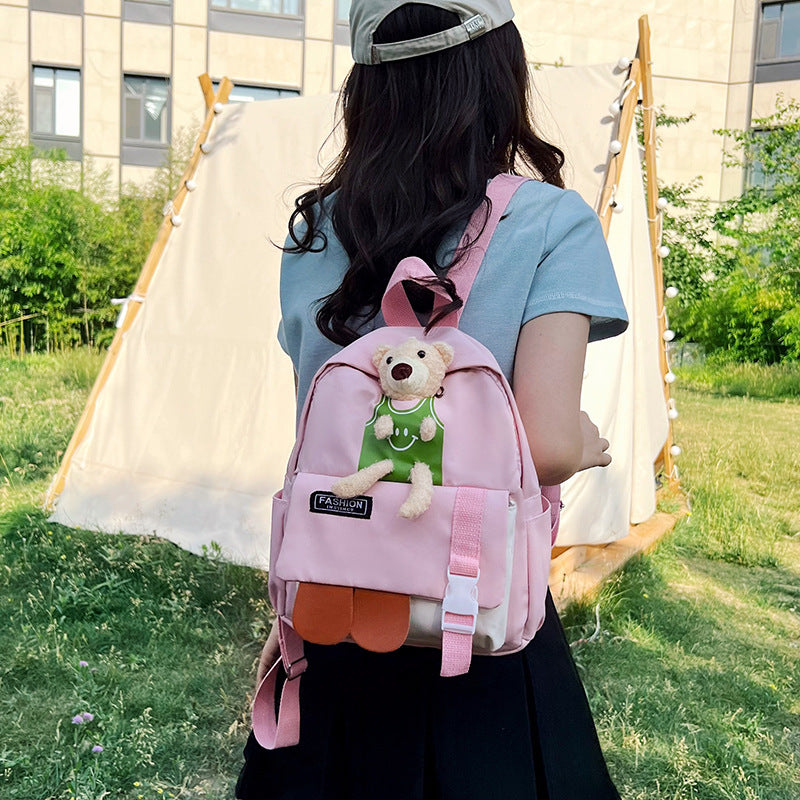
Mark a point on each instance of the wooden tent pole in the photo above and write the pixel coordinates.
(654, 223)
(135, 300)
(616, 162)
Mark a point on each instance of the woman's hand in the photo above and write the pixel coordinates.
(594, 447)
(269, 655)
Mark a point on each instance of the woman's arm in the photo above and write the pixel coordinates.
(548, 374)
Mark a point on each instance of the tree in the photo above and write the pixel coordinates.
(738, 268)
(68, 246)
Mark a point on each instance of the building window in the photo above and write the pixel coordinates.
(779, 36)
(283, 8)
(343, 12)
(248, 94)
(158, 12)
(775, 147)
(145, 111)
(56, 107)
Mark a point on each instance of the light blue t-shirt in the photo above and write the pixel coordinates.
(548, 254)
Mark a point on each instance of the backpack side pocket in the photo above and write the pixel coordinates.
(277, 587)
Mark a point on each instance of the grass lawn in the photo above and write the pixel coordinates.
(694, 675)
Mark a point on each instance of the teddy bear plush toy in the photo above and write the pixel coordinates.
(403, 441)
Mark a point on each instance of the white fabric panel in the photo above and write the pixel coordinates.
(191, 433)
(622, 389)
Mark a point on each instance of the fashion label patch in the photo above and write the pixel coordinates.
(329, 503)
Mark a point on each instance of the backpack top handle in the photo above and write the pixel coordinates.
(396, 308)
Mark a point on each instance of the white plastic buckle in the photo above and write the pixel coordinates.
(460, 597)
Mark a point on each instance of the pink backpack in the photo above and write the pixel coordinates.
(462, 553)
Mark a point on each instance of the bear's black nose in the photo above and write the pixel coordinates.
(401, 371)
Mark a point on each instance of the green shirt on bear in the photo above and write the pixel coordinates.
(404, 447)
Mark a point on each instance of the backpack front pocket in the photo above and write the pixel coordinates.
(364, 543)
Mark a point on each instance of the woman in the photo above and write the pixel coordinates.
(429, 120)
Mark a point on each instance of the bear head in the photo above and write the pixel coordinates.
(412, 369)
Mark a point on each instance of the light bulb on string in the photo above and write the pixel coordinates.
(668, 335)
(673, 413)
(206, 147)
(663, 251)
(670, 377)
(615, 147)
(671, 291)
(675, 450)
(176, 220)
(190, 184)
(623, 63)
(218, 108)
(615, 108)
(661, 203)
(617, 207)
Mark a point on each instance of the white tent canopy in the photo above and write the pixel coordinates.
(190, 434)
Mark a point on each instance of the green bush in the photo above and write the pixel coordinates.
(746, 319)
(738, 268)
(69, 243)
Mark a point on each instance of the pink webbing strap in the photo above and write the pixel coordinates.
(284, 731)
(395, 306)
(460, 603)
(553, 496)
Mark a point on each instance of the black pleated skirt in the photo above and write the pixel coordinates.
(388, 727)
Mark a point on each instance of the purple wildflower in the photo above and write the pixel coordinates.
(83, 663)
(78, 720)
(87, 717)
(97, 748)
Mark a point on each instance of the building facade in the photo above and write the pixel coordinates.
(116, 80)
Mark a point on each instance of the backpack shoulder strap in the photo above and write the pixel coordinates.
(475, 241)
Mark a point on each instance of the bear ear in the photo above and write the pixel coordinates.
(445, 351)
(379, 353)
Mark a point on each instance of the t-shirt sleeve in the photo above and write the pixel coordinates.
(576, 273)
(282, 338)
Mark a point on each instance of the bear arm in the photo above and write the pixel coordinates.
(427, 429)
(384, 426)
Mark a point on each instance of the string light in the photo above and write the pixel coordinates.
(206, 147)
(661, 203)
(615, 108)
(176, 220)
(671, 291)
(673, 413)
(623, 63)
(663, 251)
(218, 108)
(675, 450)
(669, 377)
(190, 184)
(668, 335)
(615, 147)
(617, 207)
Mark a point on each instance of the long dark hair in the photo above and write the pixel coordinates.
(422, 137)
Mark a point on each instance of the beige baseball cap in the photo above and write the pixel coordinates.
(477, 17)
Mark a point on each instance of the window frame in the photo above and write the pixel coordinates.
(779, 59)
(338, 19)
(292, 91)
(142, 152)
(768, 186)
(226, 9)
(153, 12)
(71, 145)
(341, 27)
